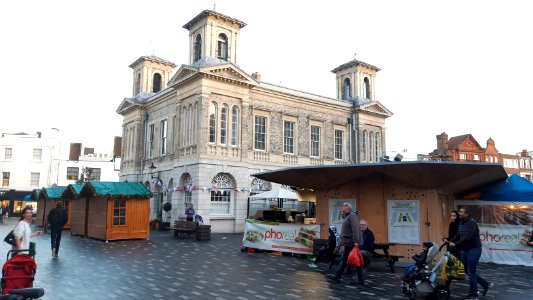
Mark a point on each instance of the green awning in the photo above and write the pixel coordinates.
(72, 191)
(52, 193)
(115, 190)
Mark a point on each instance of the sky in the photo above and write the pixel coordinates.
(446, 66)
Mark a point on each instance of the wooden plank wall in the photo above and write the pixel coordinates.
(137, 221)
(96, 227)
(77, 216)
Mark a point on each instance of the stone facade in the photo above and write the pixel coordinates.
(213, 126)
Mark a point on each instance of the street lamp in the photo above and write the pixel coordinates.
(152, 170)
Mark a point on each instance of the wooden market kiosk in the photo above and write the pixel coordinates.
(405, 203)
(112, 211)
(47, 200)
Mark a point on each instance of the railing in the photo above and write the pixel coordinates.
(316, 162)
(223, 151)
(290, 159)
(262, 156)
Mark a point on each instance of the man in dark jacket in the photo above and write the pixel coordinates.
(350, 236)
(368, 247)
(57, 218)
(467, 240)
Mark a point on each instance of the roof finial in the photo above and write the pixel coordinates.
(354, 55)
(214, 6)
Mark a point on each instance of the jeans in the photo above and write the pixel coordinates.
(344, 259)
(470, 258)
(55, 238)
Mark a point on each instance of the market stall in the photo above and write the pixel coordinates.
(504, 212)
(77, 209)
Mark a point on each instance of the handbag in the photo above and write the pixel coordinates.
(10, 238)
(355, 258)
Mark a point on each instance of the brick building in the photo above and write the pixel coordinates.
(466, 148)
(197, 136)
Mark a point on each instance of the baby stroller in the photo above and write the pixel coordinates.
(18, 271)
(433, 282)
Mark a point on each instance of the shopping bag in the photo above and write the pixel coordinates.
(355, 258)
(455, 268)
(10, 238)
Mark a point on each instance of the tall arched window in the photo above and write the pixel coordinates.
(371, 146)
(224, 125)
(138, 84)
(346, 89)
(378, 147)
(234, 126)
(184, 130)
(156, 85)
(366, 89)
(222, 46)
(213, 122)
(191, 124)
(198, 48)
(364, 146)
(194, 123)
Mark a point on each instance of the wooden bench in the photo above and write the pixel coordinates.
(183, 227)
(390, 260)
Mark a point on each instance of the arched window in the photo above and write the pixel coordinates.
(366, 89)
(156, 86)
(213, 122)
(378, 147)
(223, 185)
(364, 146)
(234, 126)
(222, 46)
(198, 48)
(346, 89)
(184, 130)
(194, 122)
(138, 84)
(186, 183)
(371, 146)
(224, 125)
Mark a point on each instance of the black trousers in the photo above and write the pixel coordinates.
(55, 238)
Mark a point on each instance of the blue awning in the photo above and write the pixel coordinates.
(27, 197)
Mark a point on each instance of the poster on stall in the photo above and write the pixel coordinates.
(283, 237)
(403, 221)
(335, 212)
(506, 244)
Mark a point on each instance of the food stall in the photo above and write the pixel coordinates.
(278, 221)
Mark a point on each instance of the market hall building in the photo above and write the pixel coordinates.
(198, 135)
(405, 203)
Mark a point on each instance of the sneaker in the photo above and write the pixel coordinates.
(486, 290)
(54, 252)
(312, 265)
(333, 278)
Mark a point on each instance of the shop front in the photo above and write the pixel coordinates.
(15, 201)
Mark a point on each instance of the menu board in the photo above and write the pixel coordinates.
(403, 221)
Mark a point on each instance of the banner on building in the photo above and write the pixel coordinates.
(283, 237)
(403, 221)
(506, 244)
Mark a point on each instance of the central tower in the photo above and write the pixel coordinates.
(213, 38)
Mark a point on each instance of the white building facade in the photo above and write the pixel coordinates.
(200, 136)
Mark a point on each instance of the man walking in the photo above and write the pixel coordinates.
(468, 241)
(350, 237)
(57, 218)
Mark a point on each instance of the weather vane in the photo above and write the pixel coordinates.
(214, 6)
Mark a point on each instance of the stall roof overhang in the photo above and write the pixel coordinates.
(454, 177)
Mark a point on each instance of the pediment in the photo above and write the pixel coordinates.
(184, 73)
(229, 72)
(377, 108)
(126, 105)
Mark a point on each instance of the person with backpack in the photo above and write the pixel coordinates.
(57, 218)
(329, 249)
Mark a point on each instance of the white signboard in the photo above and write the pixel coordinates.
(284, 237)
(335, 212)
(506, 244)
(403, 221)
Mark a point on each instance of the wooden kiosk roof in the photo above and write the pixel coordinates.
(451, 176)
(52, 193)
(115, 189)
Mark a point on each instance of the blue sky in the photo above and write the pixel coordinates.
(454, 66)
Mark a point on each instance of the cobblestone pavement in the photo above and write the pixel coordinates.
(164, 267)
